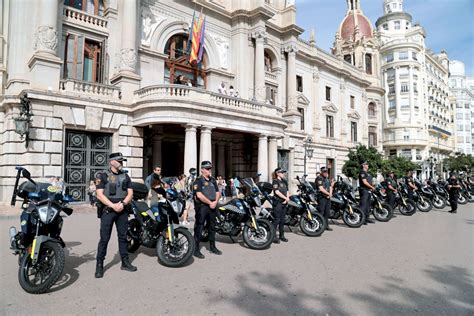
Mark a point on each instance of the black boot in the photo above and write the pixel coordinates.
(127, 266)
(99, 269)
(213, 248)
(197, 252)
(282, 237)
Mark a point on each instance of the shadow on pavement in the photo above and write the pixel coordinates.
(71, 271)
(456, 298)
(261, 293)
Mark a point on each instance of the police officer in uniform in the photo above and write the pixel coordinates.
(453, 187)
(280, 191)
(392, 188)
(325, 189)
(206, 196)
(411, 187)
(365, 185)
(114, 192)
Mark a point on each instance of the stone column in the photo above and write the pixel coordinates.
(291, 94)
(205, 150)
(291, 171)
(262, 166)
(259, 87)
(272, 155)
(220, 157)
(229, 160)
(45, 66)
(126, 77)
(190, 148)
(157, 150)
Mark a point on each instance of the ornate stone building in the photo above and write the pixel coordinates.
(100, 76)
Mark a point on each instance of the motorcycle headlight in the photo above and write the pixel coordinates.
(176, 206)
(47, 214)
(257, 200)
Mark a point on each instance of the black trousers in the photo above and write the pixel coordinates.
(107, 221)
(279, 220)
(410, 194)
(364, 202)
(453, 201)
(324, 207)
(205, 214)
(391, 198)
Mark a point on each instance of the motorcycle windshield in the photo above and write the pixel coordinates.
(250, 184)
(308, 186)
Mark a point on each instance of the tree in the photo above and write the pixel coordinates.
(356, 156)
(399, 165)
(459, 162)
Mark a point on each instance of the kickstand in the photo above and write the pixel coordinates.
(289, 228)
(233, 241)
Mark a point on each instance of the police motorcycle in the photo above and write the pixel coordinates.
(381, 210)
(461, 198)
(405, 206)
(160, 229)
(238, 216)
(39, 244)
(466, 190)
(431, 195)
(441, 195)
(424, 197)
(301, 208)
(344, 205)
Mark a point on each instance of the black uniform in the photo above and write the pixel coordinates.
(204, 213)
(408, 181)
(453, 194)
(115, 186)
(364, 192)
(390, 193)
(280, 208)
(324, 203)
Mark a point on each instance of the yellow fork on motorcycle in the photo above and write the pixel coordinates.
(310, 216)
(254, 223)
(169, 235)
(350, 210)
(33, 249)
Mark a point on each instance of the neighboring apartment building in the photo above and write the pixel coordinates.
(418, 116)
(462, 96)
(100, 77)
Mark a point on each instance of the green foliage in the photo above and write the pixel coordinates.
(399, 165)
(356, 156)
(459, 162)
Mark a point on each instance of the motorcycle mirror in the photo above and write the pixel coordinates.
(297, 177)
(26, 174)
(259, 174)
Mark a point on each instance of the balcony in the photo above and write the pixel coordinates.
(85, 21)
(271, 76)
(90, 89)
(201, 102)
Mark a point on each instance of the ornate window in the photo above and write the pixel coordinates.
(372, 136)
(268, 62)
(372, 110)
(329, 126)
(95, 7)
(352, 102)
(83, 59)
(301, 111)
(368, 63)
(178, 64)
(328, 93)
(354, 132)
(299, 83)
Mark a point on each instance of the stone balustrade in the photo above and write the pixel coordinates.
(270, 75)
(90, 88)
(167, 92)
(84, 19)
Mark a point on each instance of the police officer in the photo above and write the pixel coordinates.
(453, 187)
(365, 185)
(206, 196)
(325, 189)
(114, 192)
(280, 191)
(410, 183)
(392, 188)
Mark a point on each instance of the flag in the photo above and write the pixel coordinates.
(201, 41)
(195, 40)
(188, 48)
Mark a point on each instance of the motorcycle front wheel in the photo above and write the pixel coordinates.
(314, 227)
(178, 252)
(409, 209)
(424, 206)
(383, 214)
(260, 238)
(439, 203)
(40, 277)
(354, 220)
(462, 199)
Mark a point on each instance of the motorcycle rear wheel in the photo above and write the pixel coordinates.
(133, 243)
(260, 239)
(409, 209)
(354, 220)
(177, 253)
(50, 264)
(314, 227)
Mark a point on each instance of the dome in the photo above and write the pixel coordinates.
(348, 26)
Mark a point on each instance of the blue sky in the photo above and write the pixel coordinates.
(449, 24)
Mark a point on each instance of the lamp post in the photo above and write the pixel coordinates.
(22, 121)
(308, 152)
(432, 162)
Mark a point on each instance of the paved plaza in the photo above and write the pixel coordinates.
(420, 265)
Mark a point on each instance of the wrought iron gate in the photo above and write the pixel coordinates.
(85, 155)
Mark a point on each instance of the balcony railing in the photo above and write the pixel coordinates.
(84, 19)
(270, 75)
(91, 89)
(178, 93)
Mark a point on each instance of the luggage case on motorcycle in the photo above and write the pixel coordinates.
(265, 187)
(140, 191)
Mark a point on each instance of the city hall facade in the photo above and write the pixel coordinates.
(100, 76)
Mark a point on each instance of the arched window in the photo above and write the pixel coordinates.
(178, 63)
(368, 63)
(372, 109)
(268, 62)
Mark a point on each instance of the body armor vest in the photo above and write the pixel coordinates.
(116, 186)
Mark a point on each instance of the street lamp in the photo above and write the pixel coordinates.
(432, 161)
(22, 122)
(308, 152)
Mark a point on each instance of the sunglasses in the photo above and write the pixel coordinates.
(209, 168)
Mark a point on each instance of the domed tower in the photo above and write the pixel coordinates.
(355, 41)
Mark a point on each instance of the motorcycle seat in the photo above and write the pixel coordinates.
(141, 206)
